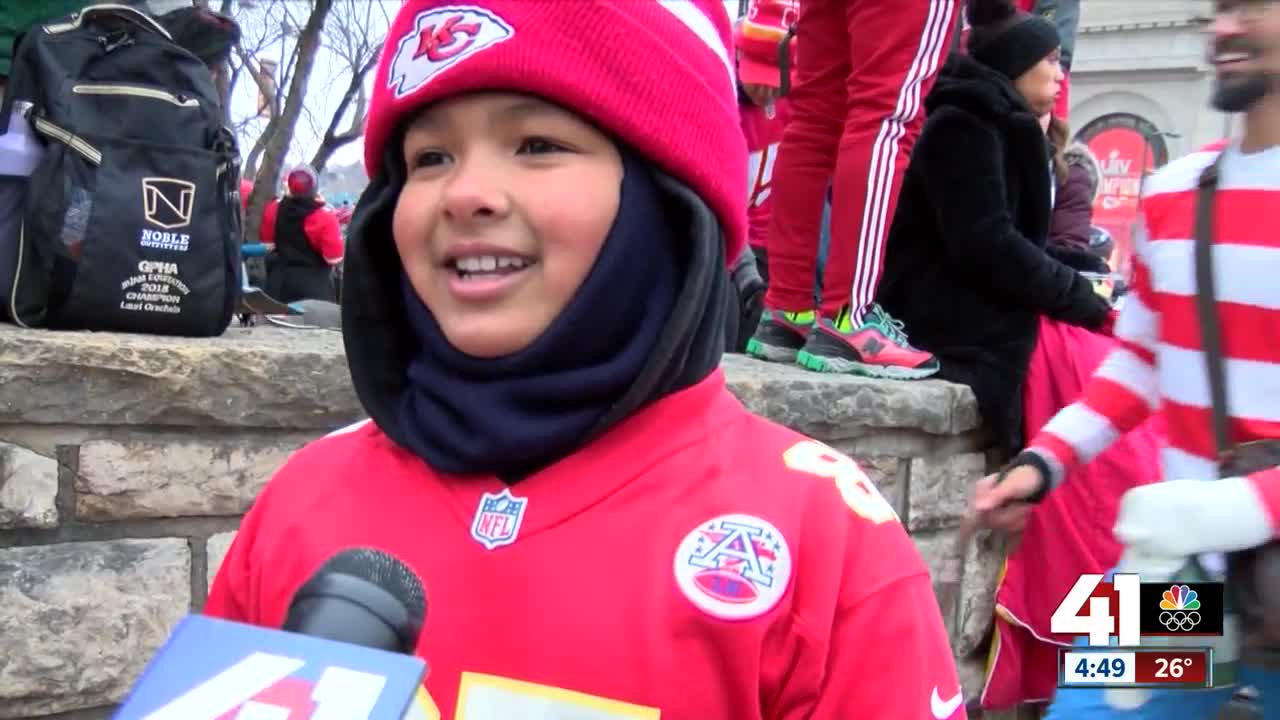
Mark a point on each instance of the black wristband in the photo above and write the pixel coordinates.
(1026, 458)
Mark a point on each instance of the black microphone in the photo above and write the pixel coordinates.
(361, 596)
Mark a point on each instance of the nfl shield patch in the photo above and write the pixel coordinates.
(498, 518)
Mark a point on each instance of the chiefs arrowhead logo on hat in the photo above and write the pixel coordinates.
(439, 39)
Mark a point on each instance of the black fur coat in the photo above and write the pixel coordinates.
(965, 264)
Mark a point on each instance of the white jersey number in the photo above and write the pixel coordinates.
(859, 493)
(760, 174)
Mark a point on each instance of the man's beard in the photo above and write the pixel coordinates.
(1238, 94)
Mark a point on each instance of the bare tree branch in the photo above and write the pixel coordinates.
(334, 139)
(259, 39)
(257, 36)
(333, 112)
(281, 135)
(290, 27)
(357, 40)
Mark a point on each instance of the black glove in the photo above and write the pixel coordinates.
(1088, 309)
(1030, 459)
(1077, 258)
(747, 296)
(746, 275)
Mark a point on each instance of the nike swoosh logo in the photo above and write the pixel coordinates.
(943, 709)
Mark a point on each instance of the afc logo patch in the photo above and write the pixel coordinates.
(733, 567)
(498, 518)
(440, 39)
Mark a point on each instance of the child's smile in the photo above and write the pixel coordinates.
(484, 273)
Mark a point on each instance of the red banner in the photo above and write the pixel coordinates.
(1123, 146)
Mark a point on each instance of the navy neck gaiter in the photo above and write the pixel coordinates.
(513, 415)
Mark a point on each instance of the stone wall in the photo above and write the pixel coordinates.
(125, 463)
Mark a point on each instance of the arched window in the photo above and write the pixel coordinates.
(1127, 148)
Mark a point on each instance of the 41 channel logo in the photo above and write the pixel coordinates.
(1124, 609)
(212, 669)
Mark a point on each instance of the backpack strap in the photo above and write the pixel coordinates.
(1206, 303)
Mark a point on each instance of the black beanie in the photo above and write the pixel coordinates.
(1007, 40)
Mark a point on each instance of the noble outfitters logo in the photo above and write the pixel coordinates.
(167, 204)
(1151, 609)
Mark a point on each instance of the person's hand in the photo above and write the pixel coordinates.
(1002, 504)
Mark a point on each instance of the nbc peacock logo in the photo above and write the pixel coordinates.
(1178, 609)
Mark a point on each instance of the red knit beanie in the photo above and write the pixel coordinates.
(758, 38)
(302, 181)
(656, 74)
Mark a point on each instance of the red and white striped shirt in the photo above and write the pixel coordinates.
(1160, 364)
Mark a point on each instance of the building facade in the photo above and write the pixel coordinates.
(1140, 87)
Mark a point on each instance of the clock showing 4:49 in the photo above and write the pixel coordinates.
(1101, 667)
(1094, 667)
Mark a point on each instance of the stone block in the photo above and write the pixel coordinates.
(886, 473)
(28, 488)
(175, 476)
(81, 620)
(832, 407)
(942, 555)
(973, 677)
(215, 551)
(975, 609)
(263, 377)
(939, 489)
(267, 377)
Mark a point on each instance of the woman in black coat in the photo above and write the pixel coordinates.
(966, 267)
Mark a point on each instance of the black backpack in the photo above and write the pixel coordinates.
(131, 222)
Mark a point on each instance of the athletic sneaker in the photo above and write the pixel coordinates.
(878, 348)
(780, 335)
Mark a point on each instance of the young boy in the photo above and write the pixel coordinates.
(532, 317)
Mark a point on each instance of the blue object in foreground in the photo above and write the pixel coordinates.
(211, 667)
(253, 250)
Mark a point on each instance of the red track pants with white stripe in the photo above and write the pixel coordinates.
(863, 70)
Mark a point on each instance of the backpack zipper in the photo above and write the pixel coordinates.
(128, 13)
(71, 140)
(17, 276)
(135, 91)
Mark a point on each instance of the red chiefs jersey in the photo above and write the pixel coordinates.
(763, 130)
(694, 562)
